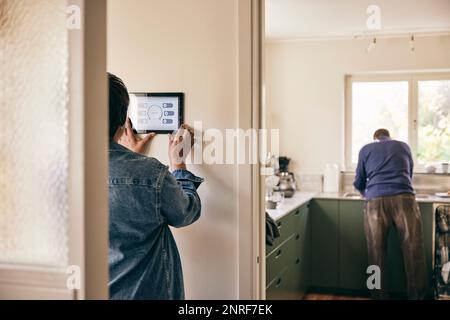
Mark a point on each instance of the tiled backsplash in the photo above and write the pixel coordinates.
(310, 182)
(423, 183)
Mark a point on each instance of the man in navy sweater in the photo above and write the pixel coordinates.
(384, 177)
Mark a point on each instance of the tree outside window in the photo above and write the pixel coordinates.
(415, 108)
(434, 121)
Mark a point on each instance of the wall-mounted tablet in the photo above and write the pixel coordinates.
(156, 112)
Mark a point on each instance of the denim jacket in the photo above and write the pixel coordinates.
(144, 200)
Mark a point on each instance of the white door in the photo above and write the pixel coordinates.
(53, 149)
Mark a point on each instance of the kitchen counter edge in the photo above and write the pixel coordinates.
(302, 197)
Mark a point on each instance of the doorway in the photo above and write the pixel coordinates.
(332, 73)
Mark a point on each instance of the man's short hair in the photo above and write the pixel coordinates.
(118, 103)
(381, 133)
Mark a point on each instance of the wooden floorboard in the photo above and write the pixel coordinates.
(320, 296)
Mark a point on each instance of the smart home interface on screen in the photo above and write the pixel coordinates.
(155, 112)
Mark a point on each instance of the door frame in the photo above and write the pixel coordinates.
(88, 150)
(251, 219)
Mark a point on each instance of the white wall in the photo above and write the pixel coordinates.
(305, 89)
(189, 46)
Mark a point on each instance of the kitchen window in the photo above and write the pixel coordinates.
(415, 108)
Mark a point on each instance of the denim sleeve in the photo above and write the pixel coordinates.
(180, 203)
(361, 176)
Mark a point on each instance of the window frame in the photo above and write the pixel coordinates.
(413, 79)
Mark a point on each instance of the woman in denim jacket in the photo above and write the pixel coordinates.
(145, 198)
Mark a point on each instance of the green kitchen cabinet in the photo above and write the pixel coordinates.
(323, 246)
(278, 288)
(294, 278)
(303, 260)
(339, 257)
(279, 258)
(285, 284)
(353, 260)
(300, 262)
(288, 264)
(325, 243)
(286, 226)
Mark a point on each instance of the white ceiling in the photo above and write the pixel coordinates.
(304, 19)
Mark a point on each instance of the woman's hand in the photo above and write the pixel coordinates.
(126, 137)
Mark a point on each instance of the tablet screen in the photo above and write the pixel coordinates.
(156, 112)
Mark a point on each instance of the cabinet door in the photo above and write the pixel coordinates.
(280, 258)
(304, 259)
(300, 260)
(279, 289)
(325, 243)
(286, 227)
(288, 265)
(353, 260)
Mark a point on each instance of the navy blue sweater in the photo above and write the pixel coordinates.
(385, 168)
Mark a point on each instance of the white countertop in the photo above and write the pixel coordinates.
(290, 204)
(340, 196)
(302, 197)
(434, 199)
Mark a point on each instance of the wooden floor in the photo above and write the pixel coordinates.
(320, 296)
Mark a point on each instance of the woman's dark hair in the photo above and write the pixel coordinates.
(118, 103)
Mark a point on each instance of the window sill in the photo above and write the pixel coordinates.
(432, 174)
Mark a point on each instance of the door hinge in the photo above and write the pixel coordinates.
(257, 259)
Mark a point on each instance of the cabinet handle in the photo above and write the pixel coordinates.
(297, 261)
(279, 224)
(278, 282)
(297, 212)
(278, 254)
(297, 237)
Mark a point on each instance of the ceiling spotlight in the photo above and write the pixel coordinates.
(412, 44)
(371, 45)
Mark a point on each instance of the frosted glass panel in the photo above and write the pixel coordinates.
(33, 132)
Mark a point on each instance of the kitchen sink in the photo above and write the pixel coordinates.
(352, 195)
